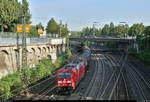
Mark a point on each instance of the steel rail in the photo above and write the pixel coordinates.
(132, 77)
(124, 80)
(141, 76)
(91, 83)
(113, 65)
(100, 88)
(43, 90)
(118, 78)
(126, 88)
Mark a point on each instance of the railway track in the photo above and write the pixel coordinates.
(140, 83)
(87, 93)
(110, 80)
(139, 87)
(123, 83)
(40, 90)
(102, 81)
(95, 89)
(45, 91)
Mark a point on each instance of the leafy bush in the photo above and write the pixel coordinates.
(61, 61)
(111, 45)
(10, 85)
(133, 52)
(43, 69)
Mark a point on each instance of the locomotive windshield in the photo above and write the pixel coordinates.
(64, 75)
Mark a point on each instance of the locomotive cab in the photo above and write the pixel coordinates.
(65, 77)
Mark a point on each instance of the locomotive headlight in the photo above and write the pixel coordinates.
(59, 81)
(68, 81)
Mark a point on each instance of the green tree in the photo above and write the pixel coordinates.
(39, 26)
(86, 31)
(65, 31)
(11, 12)
(111, 28)
(147, 36)
(98, 32)
(76, 32)
(136, 29)
(59, 28)
(52, 27)
(33, 31)
(126, 30)
(119, 30)
(105, 30)
(26, 11)
(8, 12)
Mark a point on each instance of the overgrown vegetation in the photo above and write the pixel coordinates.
(62, 60)
(111, 45)
(144, 55)
(12, 84)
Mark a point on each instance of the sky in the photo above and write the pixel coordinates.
(82, 13)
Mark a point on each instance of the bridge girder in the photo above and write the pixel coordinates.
(127, 41)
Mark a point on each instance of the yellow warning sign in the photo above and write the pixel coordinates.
(27, 28)
(40, 31)
(19, 28)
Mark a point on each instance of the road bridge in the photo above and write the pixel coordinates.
(122, 40)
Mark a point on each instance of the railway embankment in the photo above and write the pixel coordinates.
(13, 84)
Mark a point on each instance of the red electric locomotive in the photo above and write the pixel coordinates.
(70, 75)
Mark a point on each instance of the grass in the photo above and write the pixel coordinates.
(143, 56)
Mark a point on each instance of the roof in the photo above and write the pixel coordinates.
(68, 66)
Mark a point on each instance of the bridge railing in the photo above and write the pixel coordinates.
(14, 35)
(7, 35)
(14, 41)
(7, 38)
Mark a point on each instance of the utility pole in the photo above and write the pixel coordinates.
(18, 54)
(24, 56)
(60, 28)
(24, 49)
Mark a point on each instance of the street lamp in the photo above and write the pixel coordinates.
(122, 23)
(94, 24)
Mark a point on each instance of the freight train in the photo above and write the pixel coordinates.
(71, 74)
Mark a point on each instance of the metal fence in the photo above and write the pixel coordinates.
(7, 38)
(14, 35)
(14, 41)
(8, 35)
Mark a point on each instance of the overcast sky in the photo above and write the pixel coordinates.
(81, 13)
